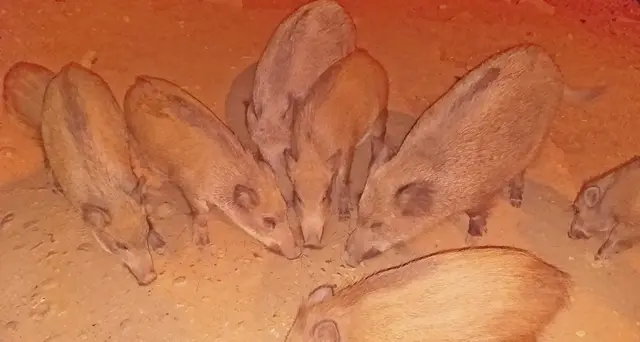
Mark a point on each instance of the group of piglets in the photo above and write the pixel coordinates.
(104, 159)
(316, 98)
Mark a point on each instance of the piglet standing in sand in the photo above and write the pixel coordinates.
(302, 47)
(467, 147)
(610, 205)
(182, 141)
(347, 105)
(87, 145)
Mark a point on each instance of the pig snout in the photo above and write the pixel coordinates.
(312, 234)
(576, 231)
(290, 253)
(140, 264)
(576, 234)
(354, 252)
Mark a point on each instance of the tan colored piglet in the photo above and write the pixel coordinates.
(347, 105)
(180, 139)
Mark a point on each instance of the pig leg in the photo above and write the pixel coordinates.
(477, 223)
(516, 189)
(200, 213)
(378, 134)
(344, 187)
(616, 243)
(155, 240)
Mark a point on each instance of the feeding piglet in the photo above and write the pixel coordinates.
(472, 142)
(610, 204)
(497, 294)
(302, 47)
(346, 105)
(183, 140)
(87, 145)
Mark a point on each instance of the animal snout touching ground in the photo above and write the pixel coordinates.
(576, 234)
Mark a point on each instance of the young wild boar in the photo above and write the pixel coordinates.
(23, 91)
(86, 142)
(610, 204)
(472, 142)
(346, 105)
(302, 47)
(497, 294)
(184, 141)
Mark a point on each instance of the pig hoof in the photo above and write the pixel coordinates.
(344, 215)
(201, 239)
(155, 241)
(473, 241)
(516, 202)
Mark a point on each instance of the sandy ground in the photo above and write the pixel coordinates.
(56, 284)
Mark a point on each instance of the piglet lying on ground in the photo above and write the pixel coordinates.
(494, 294)
(610, 204)
(181, 139)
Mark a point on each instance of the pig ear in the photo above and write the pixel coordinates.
(383, 156)
(289, 159)
(320, 294)
(289, 113)
(326, 331)
(415, 198)
(245, 197)
(251, 116)
(96, 216)
(139, 190)
(592, 196)
(334, 161)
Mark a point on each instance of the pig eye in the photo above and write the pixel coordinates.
(376, 225)
(326, 195)
(269, 222)
(122, 246)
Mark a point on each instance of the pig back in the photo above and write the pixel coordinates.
(624, 195)
(23, 92)
(85, 136)
(302, 47)
(487, 128)
(473, 294)
(344, 102)
(179, 134)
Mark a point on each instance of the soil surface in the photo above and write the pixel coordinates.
(56, 284)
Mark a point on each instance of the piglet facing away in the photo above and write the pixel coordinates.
(346, 105)
(610, 205)
(181, 139)
(302, 47)
(87, 145)
(497, 294)
(23, 90)
(466, 148)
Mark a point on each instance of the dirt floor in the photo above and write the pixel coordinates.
(56, 284)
